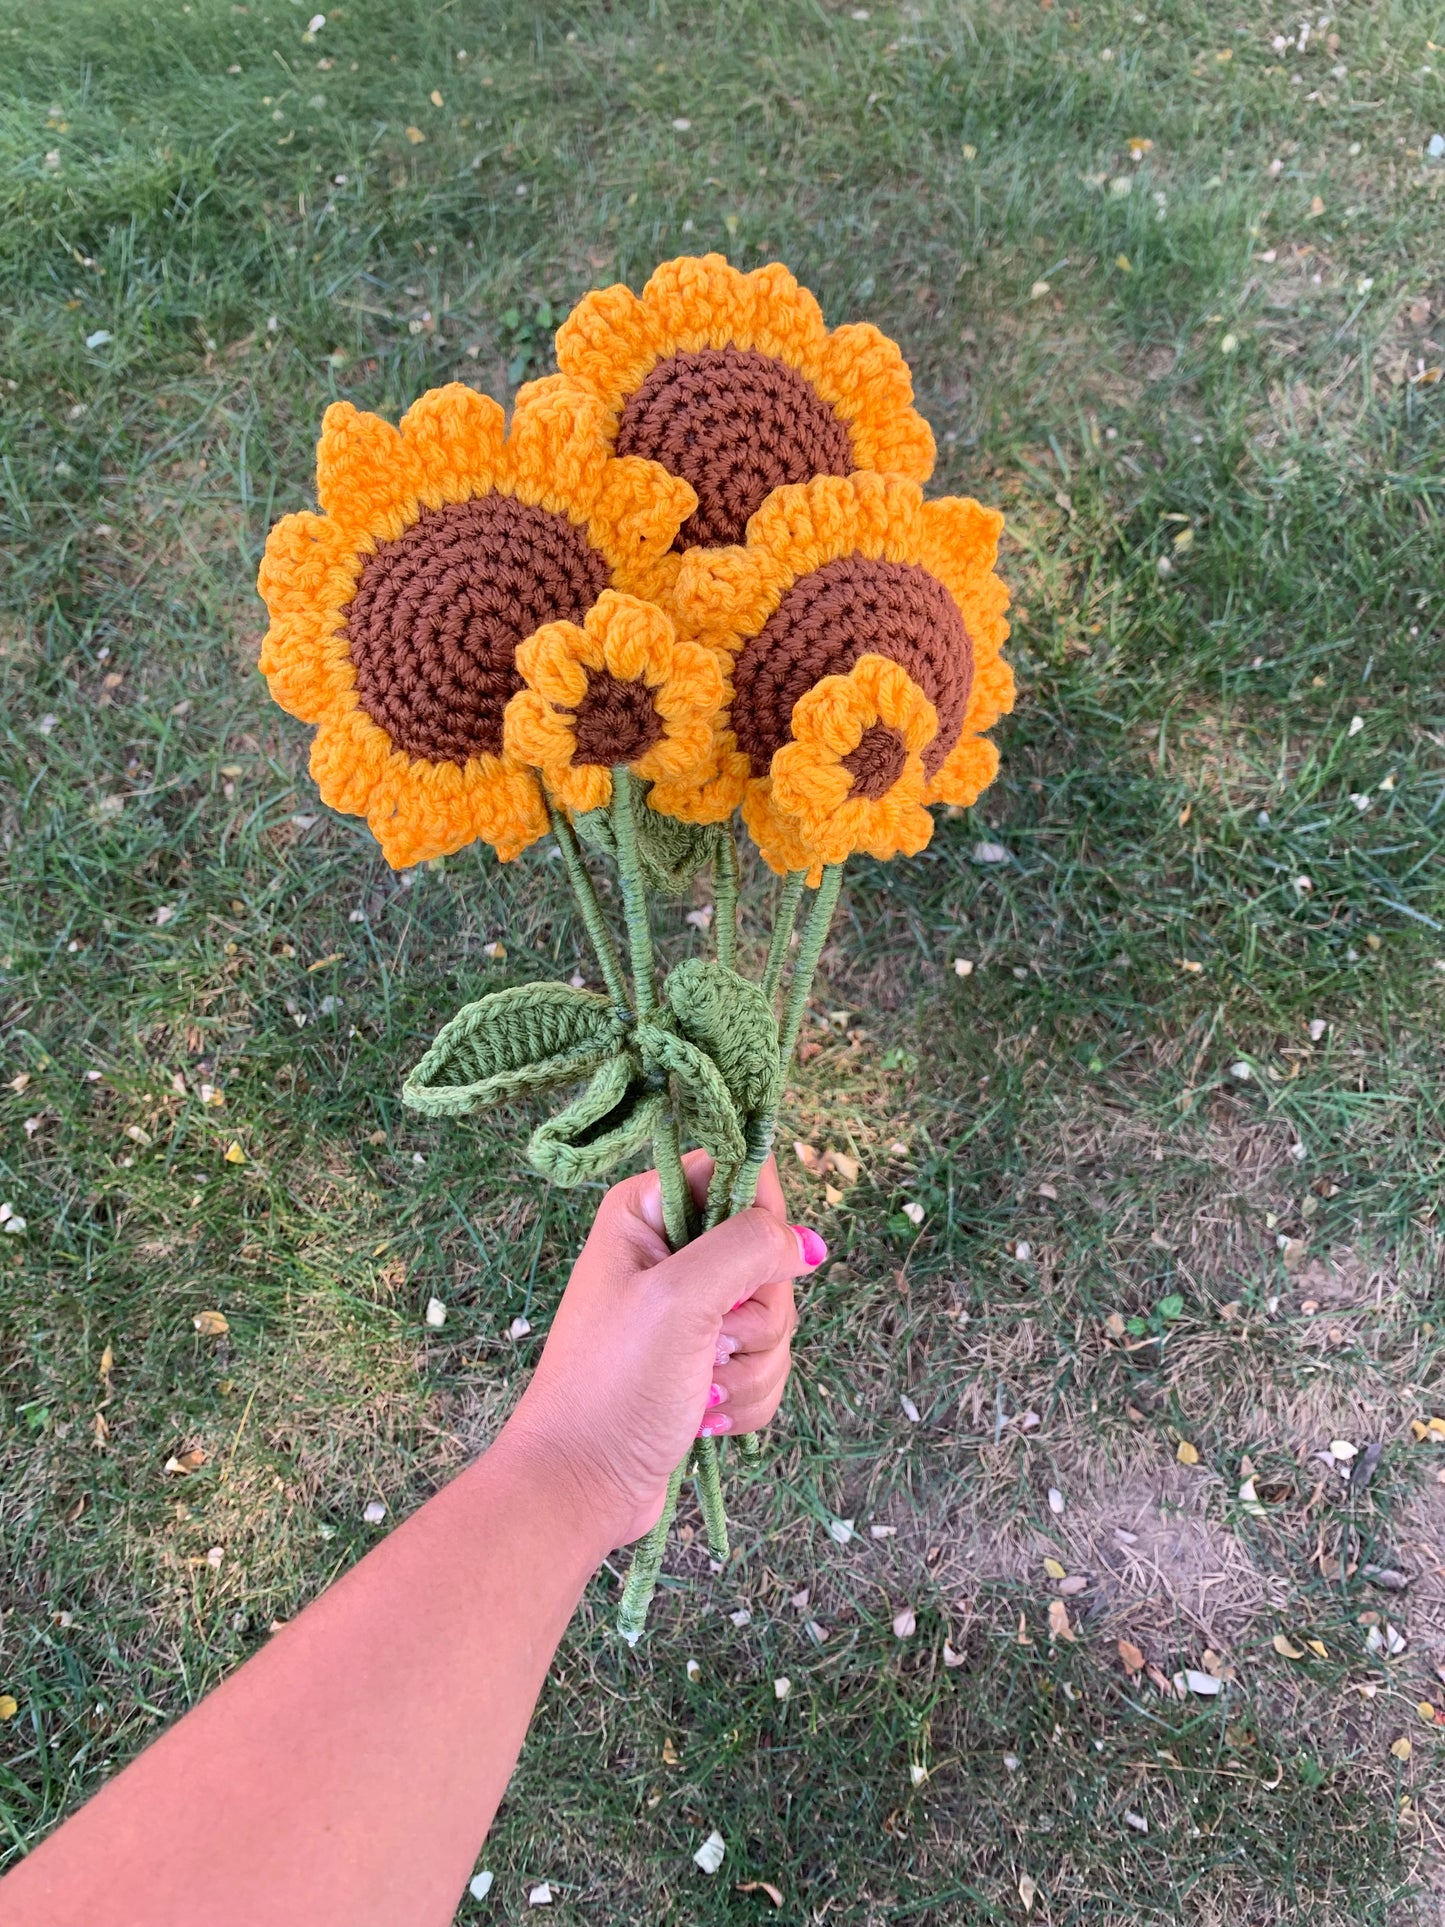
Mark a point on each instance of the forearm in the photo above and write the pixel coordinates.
(348, 1773)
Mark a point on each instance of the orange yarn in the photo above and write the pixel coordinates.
(443, 595)
(735, 382)
(622, 688)
(731, 599)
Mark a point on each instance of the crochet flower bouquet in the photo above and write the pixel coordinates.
(696, 575)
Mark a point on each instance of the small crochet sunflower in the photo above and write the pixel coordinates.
(860, 629)
(734, 382)
(621, 689)
(397, 613)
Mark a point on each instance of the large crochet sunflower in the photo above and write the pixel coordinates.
(733, 382)
(859, 628)
(397, 613)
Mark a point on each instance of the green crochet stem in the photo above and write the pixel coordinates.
(580, 878)
(646, 1565)
(725, 897)
(677, 1206)
(787, 915)
(761, 1128)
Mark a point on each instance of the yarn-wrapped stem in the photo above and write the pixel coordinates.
(725, 897)
(580, 878)
(784, 919)
(678, 1212)
(810, 949)
(642, 1574)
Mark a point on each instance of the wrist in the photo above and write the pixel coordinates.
(531, 1461)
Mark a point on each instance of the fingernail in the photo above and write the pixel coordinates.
(813, 1248)
(722, 1423)
(725, 1348)
(714, 1395)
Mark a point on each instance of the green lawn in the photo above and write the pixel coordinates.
(1203, 382)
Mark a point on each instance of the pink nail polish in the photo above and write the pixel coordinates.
(715, 1426)
(741, 1301)
(714, 1395)
(724, 1349)
(813, 1248)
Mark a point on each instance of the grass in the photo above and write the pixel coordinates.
(1221, 459)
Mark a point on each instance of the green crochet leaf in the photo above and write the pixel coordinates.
(729, 1018)
(671, 853)
(534, 1037)
(616, 1114)
(705, 1107)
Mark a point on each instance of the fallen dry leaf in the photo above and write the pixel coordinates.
(806, 1154)
(211, 1324)
(832, 1194)
(1073, 1585)
(775, 1894)
(1401, 1748)
(9, 1706)
(1286, 1648)
(1028, 1892)
(234, 1154)
(1059, 1627)
(1187, 1454)
(1132, 1658)
(1053, 1569)
(670, 1756)
(846, 1167)
(181, 1463)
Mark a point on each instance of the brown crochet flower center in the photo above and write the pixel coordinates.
(736, 424)
(878, 761)
(826, 621)
(437, 616)
(616, 722)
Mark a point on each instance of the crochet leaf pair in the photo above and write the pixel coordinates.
(713, 1036)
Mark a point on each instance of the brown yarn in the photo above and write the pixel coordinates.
(437, 616)
(616, 721)
(878, 761)
(736, 424)
(826, 621)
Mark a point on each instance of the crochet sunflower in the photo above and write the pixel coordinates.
(442, 546)
(621, 689)
(735, 383)
(860, 628)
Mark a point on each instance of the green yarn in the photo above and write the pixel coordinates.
(534, 1037)
(669, 853)
(646, 1565)
(616, 1115)
(728, 1017)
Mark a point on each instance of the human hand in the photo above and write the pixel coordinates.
(651, 1348)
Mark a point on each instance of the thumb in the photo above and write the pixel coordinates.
(733, 1260)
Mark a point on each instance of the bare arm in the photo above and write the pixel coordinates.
(348, 1773)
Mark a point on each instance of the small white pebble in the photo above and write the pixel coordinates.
(215, 1556)
(1137, 1822)
(917, 1774)
(782, 1687)
(480, 1885)
(374, 1511)
(1242, 1071)
(1318, 1027)
(682, 124)
(694, 1671)
(1011, 1762)
(963, 966)
(910, 1410)
(1357, 723)
(882, 1532)
(436, 1313)
(905, 1624)
(1023, 1251)
(913, 1212)
(1056, 1499)
(742, 1617)
(518, 1328)
(841, 1530)
(540, 1896)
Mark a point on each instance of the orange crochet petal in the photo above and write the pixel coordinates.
(306, 576)
(779, 840)
(864, 375)
(556, 452)
(457, 437)
(367, 479)
(970, 767)
(554, 661)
